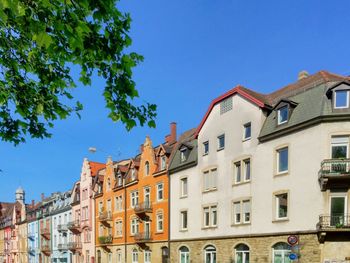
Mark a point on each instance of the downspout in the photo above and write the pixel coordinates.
(125, 224)
(169, 200)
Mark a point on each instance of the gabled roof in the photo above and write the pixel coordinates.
(252, 96)
(95, 167)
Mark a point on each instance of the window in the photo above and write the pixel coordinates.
(100, 207)
(210, 254)
(280, 253)
(134, 226)
(109, 206)
(184, 255)
(134, 198)
(282, 160)
(183, 220)
(118, 204)
(210, 216)
(160, 192)
(340, 147)
(241, 212)
(119, 228)
(108, 184)
(99, 256)
(205, 147)
(183, 186)
(226, 105)
(183, 154)
(147, 256)
(221, 142)
(135, 256)
(159, 222)
(242, 171)
(209, 179)
(247, 131)
(282, 114)
(341, 99)
(241, 253)
(119, 256)
(133, 174)
(147, 168)
(281, 206)
(163, 163)
(120, 180)
(109, 257)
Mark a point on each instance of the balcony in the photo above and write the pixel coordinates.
(334, 173)
(62, 228)
(74, 246)
(45, 232)
(105, 216)
(141, 208)
(143, 237)
(62, 246)
(45, 249)
(74, 226)
(31, 236)
(31, 251)
(105, 240)
(333, 226)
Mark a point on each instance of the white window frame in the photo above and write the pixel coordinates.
(205, 147)
(160, 190)
(186, 255)
(241, 211)
(183, 156)
(183, 187)
(183, 215)
(242, 252)
(245, 127)
(134, 199)
(210, 179)
(147, 168)
(160, 222)
(134, 226)
(147, 256)
(279, 121)
(277, 205)
(119, 228)
(210, 212)
(135, 256)
(283, 252)
(278, 152)
(210, 252)
(335, 99)
(221, 147)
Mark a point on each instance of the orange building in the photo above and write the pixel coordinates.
(131, 202)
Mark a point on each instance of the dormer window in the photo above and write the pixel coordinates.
(120, 181)
(183, 154)
(341, 99)
(162, 163)
(133, 174)
(282, 115)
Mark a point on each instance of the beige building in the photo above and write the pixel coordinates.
(269, 179)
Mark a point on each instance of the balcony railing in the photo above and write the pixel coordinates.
(45, 232)
(104, 240)
(62, 246)
(143, 237)
(62, 228)
(31, 236)
(74, 226)
(339, 222)
(145, 207)
(105, 216)
(334, 173)
(45, 248)
(74, 246)
(31, 251)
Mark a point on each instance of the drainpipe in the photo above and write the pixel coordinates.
(169, 200)
(125, 225)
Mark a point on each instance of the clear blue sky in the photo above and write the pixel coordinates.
(194, 51)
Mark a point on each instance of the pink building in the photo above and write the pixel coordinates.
(82, 223)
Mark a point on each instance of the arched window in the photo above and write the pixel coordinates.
(109, 257)
(241, 253)
(280, 253)
(135, 256)
(165, 254)
(147, 256)
(119, 256)
(209, 254)
(184, 255)
(147, 168)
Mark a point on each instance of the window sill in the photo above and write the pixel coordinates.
(240, 224)
(220, 149)
(281, 174)
(246, 139)
(183, 197)
(205, 154)
(209, 190)
(241, 183)
(183, 230)
(280, 220)
(208, 227)
(159, 232)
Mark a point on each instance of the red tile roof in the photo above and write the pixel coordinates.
(95, 167)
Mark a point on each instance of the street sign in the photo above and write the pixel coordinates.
(293, 256)
(292, 240)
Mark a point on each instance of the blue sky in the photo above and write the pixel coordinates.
(194, 51)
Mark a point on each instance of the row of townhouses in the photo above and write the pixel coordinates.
(262, 178)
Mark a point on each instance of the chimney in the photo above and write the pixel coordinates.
(42, 196)
(33, 202)
(172, 132)
(303, 74)
(167, 138)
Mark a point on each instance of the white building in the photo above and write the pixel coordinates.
(261, 177)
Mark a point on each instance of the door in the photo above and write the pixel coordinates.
(147, 197)
(147, 229)
(338, 211)
(339, 150)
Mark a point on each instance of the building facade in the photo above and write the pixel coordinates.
(270, 182)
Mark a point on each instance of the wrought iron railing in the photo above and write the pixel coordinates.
(73, 225)
(143, 236)
(336, 221)
(105, 216)
(62, 246)
(143, 207)
(334, 167)
(105, 239)
(62, 228)
(74, 245)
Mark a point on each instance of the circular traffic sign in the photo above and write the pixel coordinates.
(293, 256)
(292, 240)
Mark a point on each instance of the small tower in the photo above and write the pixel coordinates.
(20, 195)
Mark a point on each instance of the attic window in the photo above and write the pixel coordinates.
(282, 115)
(226, 105)
(341, 99)
(162, 162)
(183, 154)
(133, 174)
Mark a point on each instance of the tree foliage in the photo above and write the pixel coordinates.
(40, 41)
